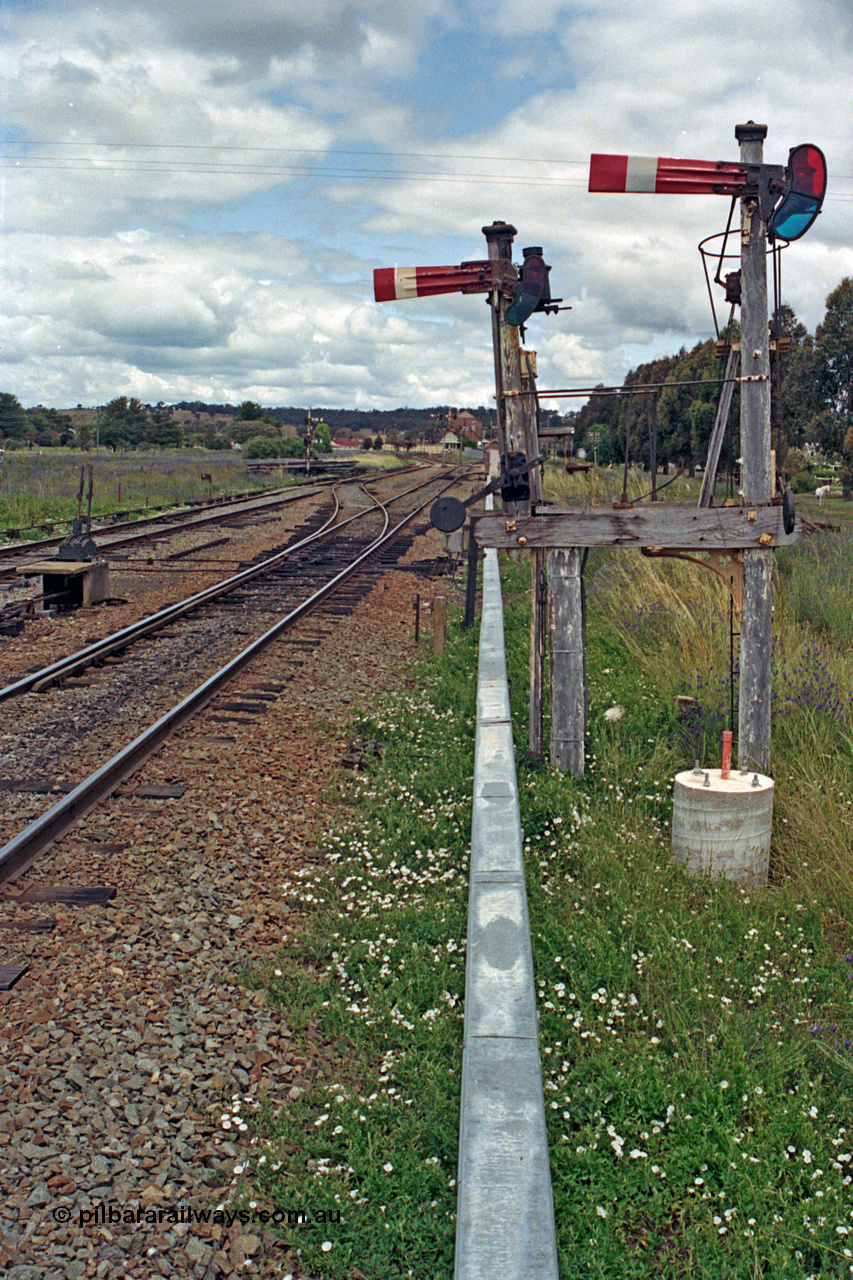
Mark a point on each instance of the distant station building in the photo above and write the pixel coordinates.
(451, 442)
(466, 426)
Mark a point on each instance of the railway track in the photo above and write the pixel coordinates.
(118, 540)
(139, 1021)
(64, 742)
(113, 533)
(116, 533)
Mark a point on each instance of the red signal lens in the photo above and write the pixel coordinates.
(808, 171)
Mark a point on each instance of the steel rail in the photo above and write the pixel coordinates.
(22, 850)
(169, 522)
(36, 680)
(121, 639)
(203, 513)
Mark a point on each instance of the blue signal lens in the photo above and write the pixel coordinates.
(794, 216)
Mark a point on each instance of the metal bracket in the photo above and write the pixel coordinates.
(731, 576)
(500, 275)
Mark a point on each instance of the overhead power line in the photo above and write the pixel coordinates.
(286, 151)
(282, 171)
(193, 158)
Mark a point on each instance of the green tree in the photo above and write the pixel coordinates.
(321, 441)
(702, 415)
(243, 429)
(52, 427)
(833, 356)
(799, 402)
(263, 447)
(825, 430)
(847, 466)
(125, 423)
(249, 411)
(165, 431)
(596, 442)
(13, 418)
(683, 429)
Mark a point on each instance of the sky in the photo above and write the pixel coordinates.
(194, 196)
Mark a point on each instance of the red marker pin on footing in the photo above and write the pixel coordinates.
(727, 753)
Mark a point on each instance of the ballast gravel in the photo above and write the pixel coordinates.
(137, 1034)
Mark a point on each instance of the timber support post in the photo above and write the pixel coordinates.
(538, 600)
(515, 395)
(471, 582)
(516, 424)
(567, 660)
(439, 624)
(757, 622)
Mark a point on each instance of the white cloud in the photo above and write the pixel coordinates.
(206, 188)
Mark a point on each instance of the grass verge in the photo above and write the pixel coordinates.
(696, 1038)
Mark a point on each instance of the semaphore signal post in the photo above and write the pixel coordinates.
(776, 203)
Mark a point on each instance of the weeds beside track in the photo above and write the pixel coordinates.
(696, 1038)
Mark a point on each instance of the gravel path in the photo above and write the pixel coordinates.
(132, 1032)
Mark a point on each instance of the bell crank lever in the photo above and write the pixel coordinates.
(448, 514)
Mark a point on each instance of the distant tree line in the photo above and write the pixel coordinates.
(127, 423)
(812, 400)
(812, 411)
(36, 426)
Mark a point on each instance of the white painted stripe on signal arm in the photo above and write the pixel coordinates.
(405, 282)
(642, 173)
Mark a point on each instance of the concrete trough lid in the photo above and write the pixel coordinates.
(496, 837)
(499, 989)
(505, 1215)
(505, 1208)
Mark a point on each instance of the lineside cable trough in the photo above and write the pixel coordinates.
(505, 1207)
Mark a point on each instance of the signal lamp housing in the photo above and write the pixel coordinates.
(805, 187)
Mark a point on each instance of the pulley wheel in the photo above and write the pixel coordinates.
(788, 513)
(447, 514)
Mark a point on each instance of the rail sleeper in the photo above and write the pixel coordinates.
(505, 1208)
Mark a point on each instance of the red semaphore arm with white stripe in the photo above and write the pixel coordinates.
(391, 284)
(662, 175)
